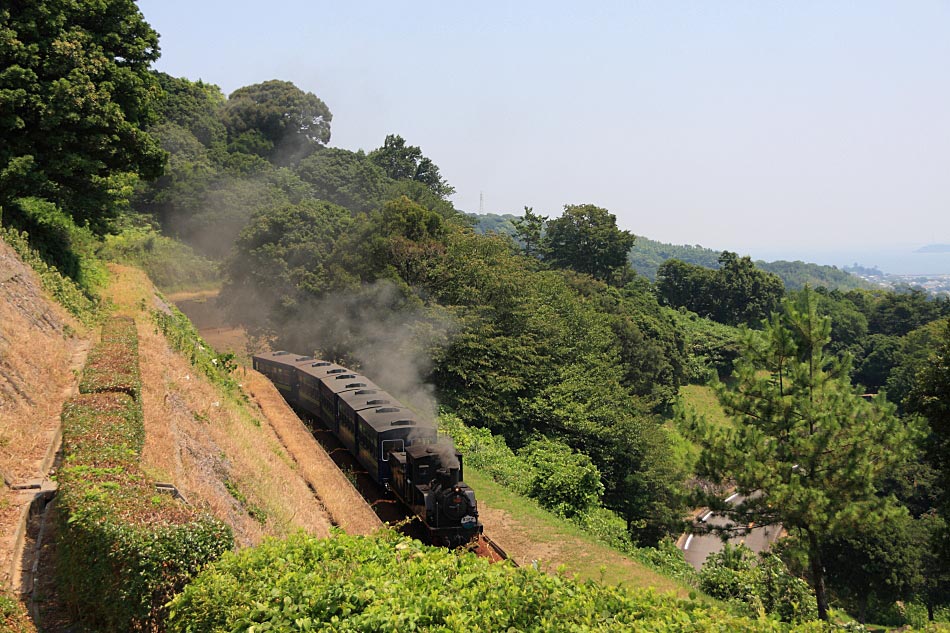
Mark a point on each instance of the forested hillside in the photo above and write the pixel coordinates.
(646, 256)
(555, 350)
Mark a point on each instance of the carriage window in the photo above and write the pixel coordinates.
(391, 445)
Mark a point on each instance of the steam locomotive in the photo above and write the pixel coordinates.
(400, 451)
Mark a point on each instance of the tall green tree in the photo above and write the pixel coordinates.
(529, 230)
(930, 396)
(405, 162)
(806, 450)
(586, 239)
(345, 178)
(744, 294)
(737, 293)
(276, 120)
(75, 95)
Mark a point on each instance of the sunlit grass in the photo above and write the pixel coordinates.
(582, 555)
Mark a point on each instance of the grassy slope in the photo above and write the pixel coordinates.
(702, 400)
(565, 544)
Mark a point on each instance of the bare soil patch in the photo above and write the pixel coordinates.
(41, 349)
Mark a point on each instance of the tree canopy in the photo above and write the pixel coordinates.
(737, 293)
(405, 162)
(276, 120)
(585, 238)
(75, 95)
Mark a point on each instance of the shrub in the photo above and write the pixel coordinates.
(113, 365)
(763, 586)
(123, 549)
(488, 453)
(387, 582)
(565, 481)
(102, 428)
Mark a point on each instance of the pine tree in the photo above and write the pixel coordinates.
(805, 449)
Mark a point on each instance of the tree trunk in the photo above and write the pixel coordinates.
(817, 576)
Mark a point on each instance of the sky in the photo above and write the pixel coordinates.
(797, 130)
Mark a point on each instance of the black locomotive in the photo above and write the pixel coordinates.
(399, 451)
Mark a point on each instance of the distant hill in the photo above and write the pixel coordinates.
(494, 223)
(647, 255)
(796, 274)
(934, 248)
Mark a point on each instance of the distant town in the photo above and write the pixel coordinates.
(933, 284)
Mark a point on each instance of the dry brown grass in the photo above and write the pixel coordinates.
(345, 505)
(40, 347)
(219, 451)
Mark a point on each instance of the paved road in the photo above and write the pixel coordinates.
(697, 547)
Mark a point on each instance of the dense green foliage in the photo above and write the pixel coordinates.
(406, 162)
(648, 255)
(171, 265)
(585, 238)
(75, 94)
(806, 450)
(757, 586)
(736, 293)
(59, 242)
(123, 550)
(63, 289)
(389, 583)
(276, 120)
(534, 331)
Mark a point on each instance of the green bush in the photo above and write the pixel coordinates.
(113, 364)
(64, 290)
(489, 454)
(759, 586)
(564, 481)
(170, 264)
(387, 582)
(102, 428)
(123, 549)
(111, 368)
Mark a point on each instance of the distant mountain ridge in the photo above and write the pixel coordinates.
(934, 248)
(647, 255)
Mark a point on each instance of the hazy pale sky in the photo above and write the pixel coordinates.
(764, 127)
